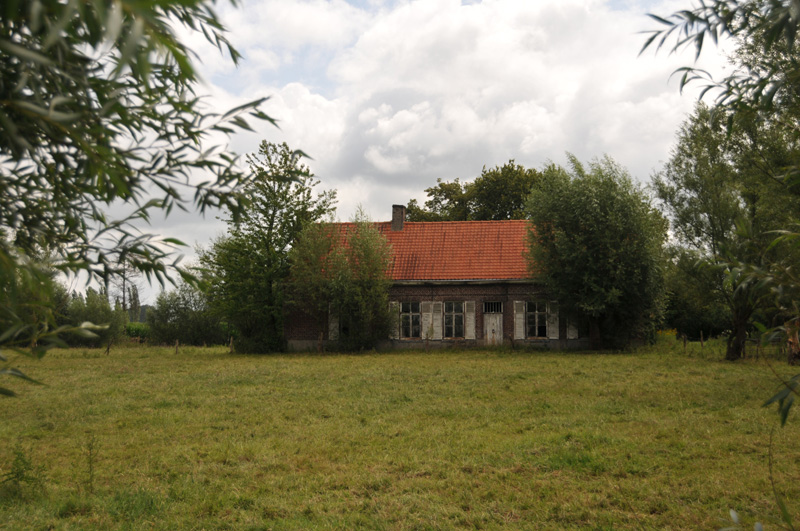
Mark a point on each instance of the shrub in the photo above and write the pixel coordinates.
(183, 315)
(139, 331)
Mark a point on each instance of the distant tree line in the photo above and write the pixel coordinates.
(598, 244)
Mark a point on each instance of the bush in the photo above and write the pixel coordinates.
(139, 331)
(95, 308)
(183, 315)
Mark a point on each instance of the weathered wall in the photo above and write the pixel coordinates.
(302, 334)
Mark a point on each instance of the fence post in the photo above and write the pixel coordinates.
(176, 346)
(684, 344)
(701, 339)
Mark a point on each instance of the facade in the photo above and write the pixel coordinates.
(460, 283)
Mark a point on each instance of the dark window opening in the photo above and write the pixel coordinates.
(453, 319)
(492, 307)
(536, 319)
(410, 320)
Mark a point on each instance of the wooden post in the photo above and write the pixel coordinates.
(230, 346)
(684, 344)
(701, 339)
(176, 347)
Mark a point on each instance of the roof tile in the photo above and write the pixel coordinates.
(458, 250)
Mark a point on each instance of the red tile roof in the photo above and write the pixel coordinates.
(458, 250)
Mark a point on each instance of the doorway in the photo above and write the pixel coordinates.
(493, 323)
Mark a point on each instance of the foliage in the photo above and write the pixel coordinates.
(770, 25)
(24, 479)
(360, 286)
(95, 307)
(247, 269)
(138, 330)
(182, 314)
(764, 86)
(98, 109)
(596, 244)
(314, 258)
(692, 308)
(496, 194)
(724, 201)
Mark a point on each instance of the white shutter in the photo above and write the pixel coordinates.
(572, 330)
(395, 306)
(519, 319)
(436, 319)
(469, 320)
(425, 320)
(552, 320)
(333, 326)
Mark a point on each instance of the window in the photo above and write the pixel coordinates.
(492, 307)
(536, 319)
(453, 319)
(410, 320)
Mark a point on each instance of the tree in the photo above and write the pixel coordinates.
(314, 259)
(448, 201)
(496, 194)
(248, 268)
(360, 286)
(724, 201)
(125, 284)
(596, 245)
(94, 307)
(501, 192)
(97, 107)
(341, 271)
(134, 305)
(765, 29)
(182, 314)
(695, 308)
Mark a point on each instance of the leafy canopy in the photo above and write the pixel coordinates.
(98, 109)
(496, 194)
(249, 267)
(596, 244)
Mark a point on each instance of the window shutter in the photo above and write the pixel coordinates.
(426, 324)
(395, 307)
(519, 319)
(572, 330)
(436, 320)
(552, 320)
(333, 326)
(469, 320)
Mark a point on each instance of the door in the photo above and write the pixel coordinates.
(493, 328)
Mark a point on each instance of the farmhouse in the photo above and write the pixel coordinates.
(460, 283)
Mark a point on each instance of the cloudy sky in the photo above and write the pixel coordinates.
(386, 96)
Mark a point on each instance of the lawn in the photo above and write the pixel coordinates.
(147, 439)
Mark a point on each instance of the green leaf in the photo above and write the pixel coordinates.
(10, 371)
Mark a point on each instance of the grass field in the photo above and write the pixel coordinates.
(147, 439)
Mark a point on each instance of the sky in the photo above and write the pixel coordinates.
(387, 96)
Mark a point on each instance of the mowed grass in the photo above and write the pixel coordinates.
(147, 439)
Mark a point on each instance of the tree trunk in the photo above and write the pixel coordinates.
(736, 341)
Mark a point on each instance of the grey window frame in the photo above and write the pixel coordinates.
(536, 319)
(453, 317)
(409, 313)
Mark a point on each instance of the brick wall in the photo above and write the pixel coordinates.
(302, 332)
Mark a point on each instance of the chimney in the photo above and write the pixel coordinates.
(398, 216)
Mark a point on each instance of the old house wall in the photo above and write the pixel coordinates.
(302, 334)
